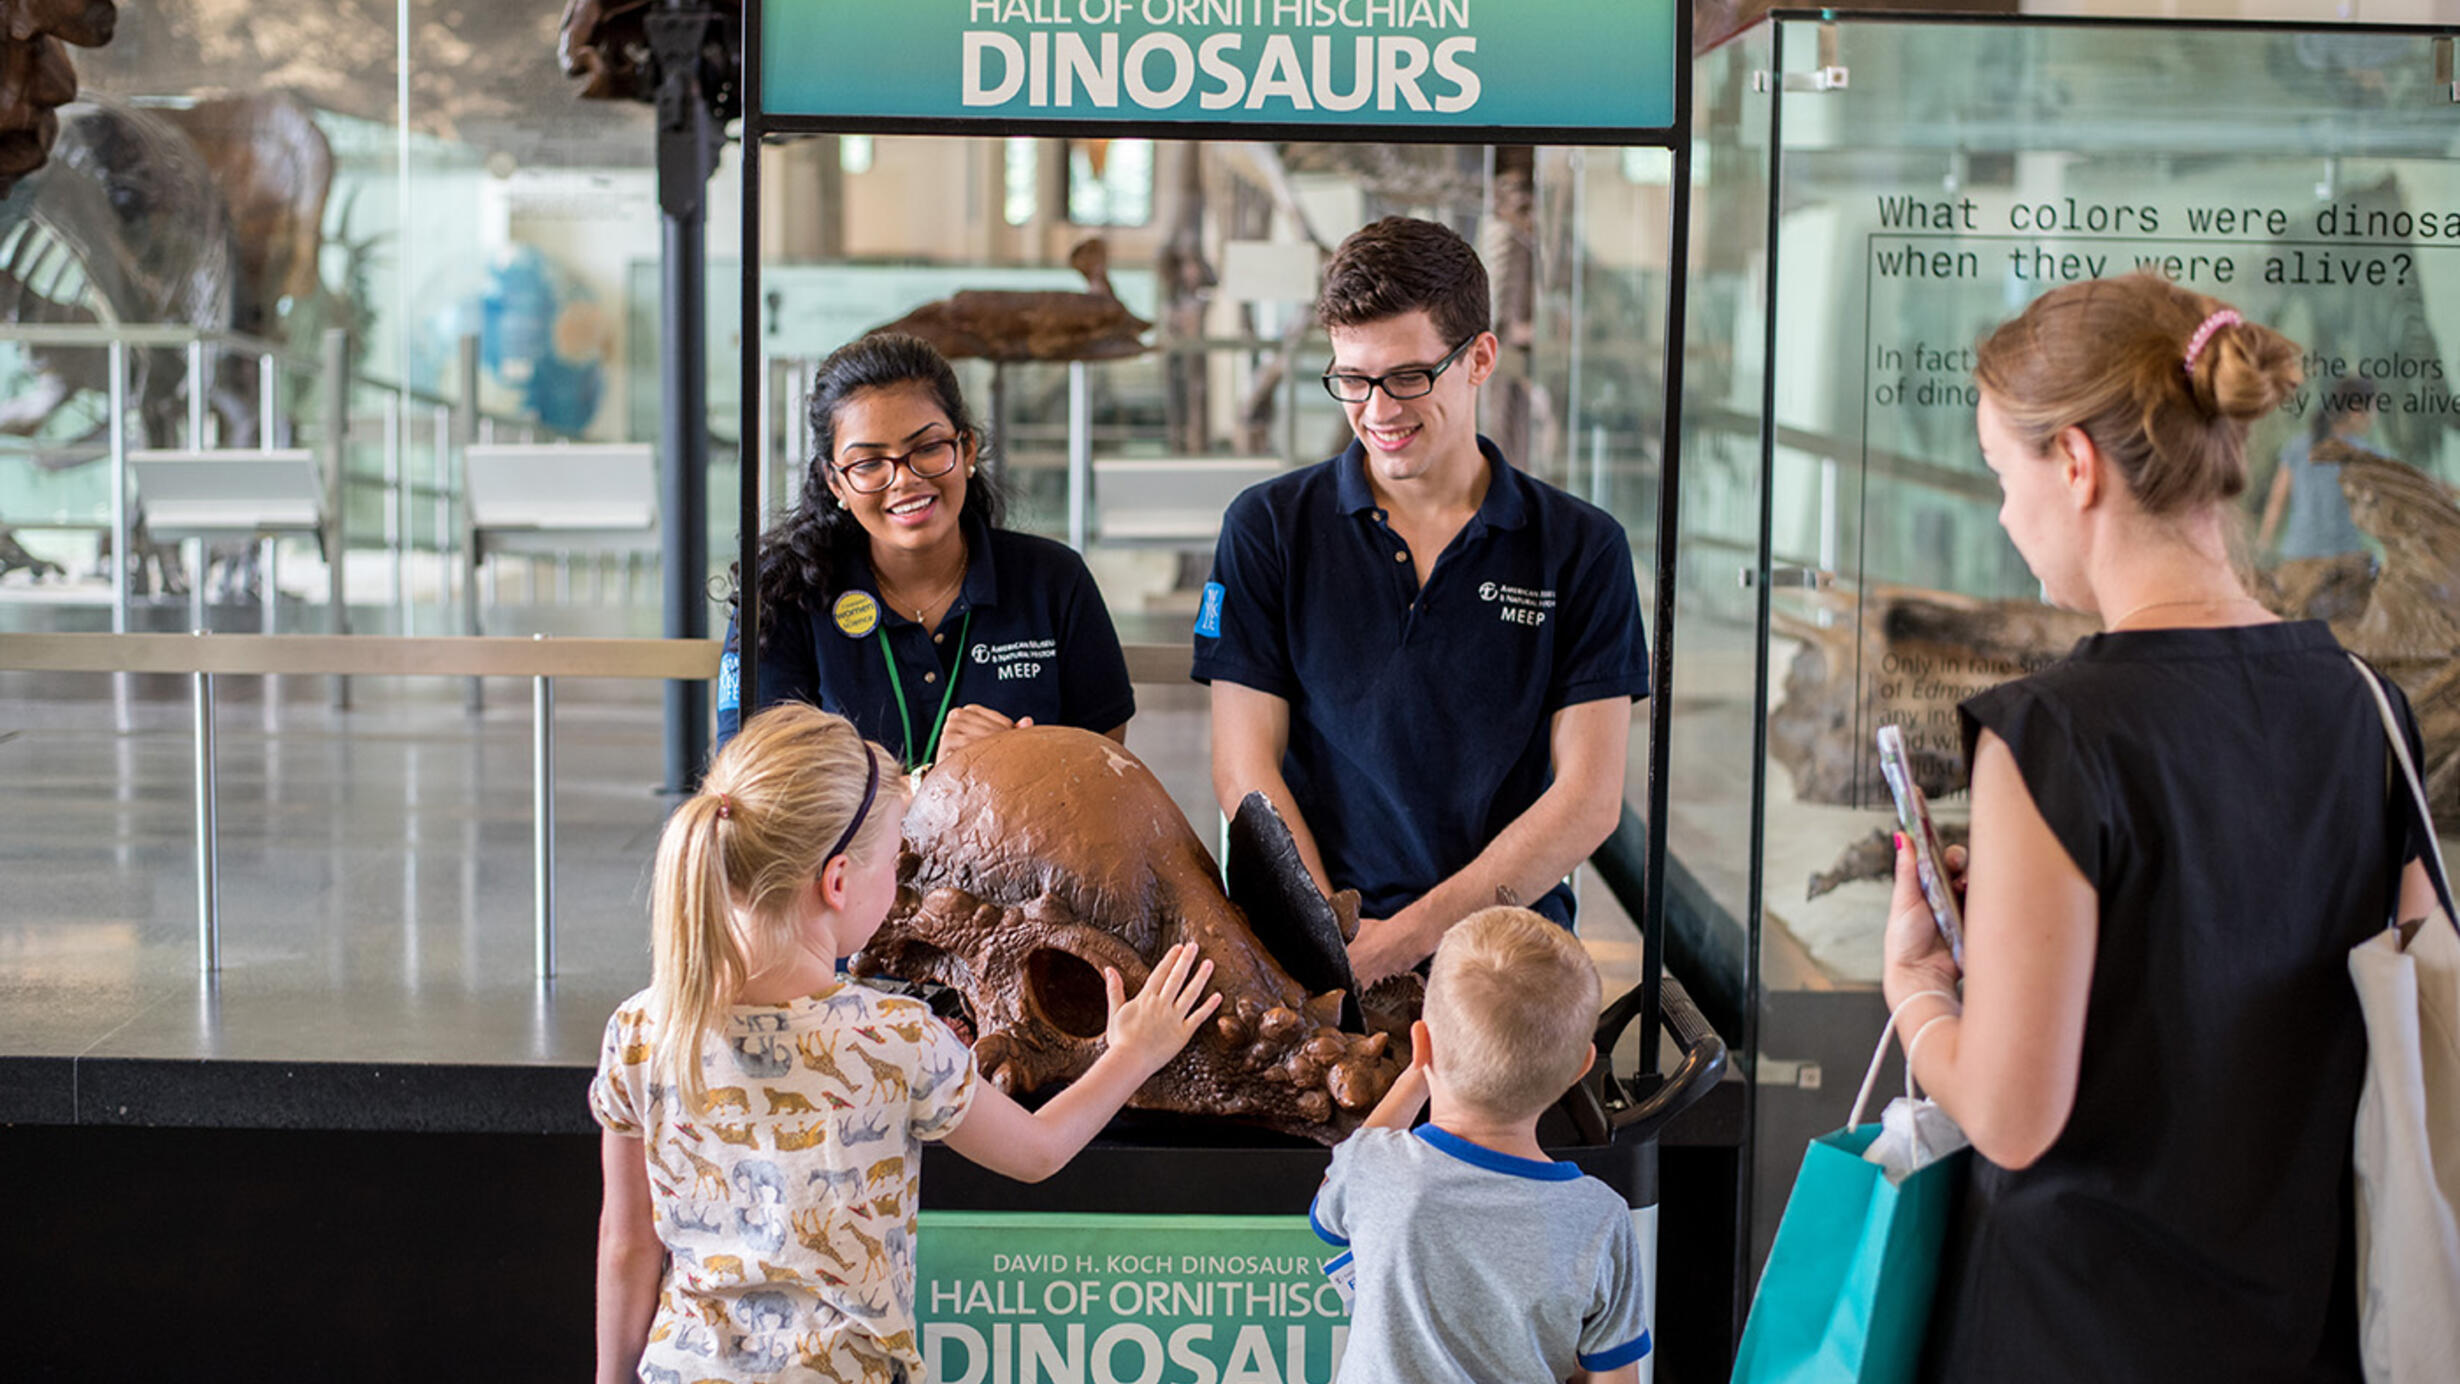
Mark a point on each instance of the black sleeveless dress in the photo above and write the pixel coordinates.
(2224, 792)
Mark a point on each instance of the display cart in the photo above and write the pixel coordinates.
(1198, 1246)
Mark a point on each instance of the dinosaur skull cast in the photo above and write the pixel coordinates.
(1036, 857)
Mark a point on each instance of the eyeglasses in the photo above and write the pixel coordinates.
(1415, 382)
(874, 474)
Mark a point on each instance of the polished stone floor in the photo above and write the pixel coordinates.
(375, 870)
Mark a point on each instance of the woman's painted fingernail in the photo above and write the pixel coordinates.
(1900, 841)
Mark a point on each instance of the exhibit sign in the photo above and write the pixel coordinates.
(1007, 1296)
(1432, 64)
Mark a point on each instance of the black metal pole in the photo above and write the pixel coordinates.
(752, 404)
(688, 135)
(1763, 619)
(683, 480)
(1669, 549)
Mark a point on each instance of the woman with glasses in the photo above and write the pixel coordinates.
(891, 596)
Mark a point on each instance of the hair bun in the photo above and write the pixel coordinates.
(2244, 372)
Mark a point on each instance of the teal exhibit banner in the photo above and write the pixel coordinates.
(1516, 64)
(1006, 1297)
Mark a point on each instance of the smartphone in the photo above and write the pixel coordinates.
(1929, 861)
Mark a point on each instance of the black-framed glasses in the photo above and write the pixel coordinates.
(874, 474)
(1414, 382)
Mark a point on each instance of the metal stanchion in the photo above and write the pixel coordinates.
(208, 891)
(1080, 455)
(193, 550)
(465, 540)
(196, 394)
(122, 542)
(270, 573)
(268, 402)
(397, 509)
(199, 556)
(336, 370)
(442, 419)
(542, 814)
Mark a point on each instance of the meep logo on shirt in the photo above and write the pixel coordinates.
(1519, 605)
(1208, 615)
(730, 681)
(1018, 658)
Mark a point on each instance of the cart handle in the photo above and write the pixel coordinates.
(1608, 1109)
(1703, 1065)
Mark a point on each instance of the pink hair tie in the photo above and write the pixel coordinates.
(726, 807)
(2226, 317)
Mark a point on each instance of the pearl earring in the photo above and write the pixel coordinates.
(841, 503)
(969, 473)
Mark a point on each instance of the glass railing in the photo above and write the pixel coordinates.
(1886, 189)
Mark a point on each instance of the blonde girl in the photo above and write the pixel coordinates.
(763, 1115)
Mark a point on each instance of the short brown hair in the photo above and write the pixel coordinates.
(2110, 356)
(1400, 265)
(1511, 1002)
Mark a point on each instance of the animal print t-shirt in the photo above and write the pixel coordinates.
(787, 1204)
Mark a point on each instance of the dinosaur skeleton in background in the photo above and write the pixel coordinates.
(208, 215)
(606, 44)
(1908, 655)
(36, 78)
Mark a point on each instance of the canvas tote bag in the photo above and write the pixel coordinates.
(2407, 1151)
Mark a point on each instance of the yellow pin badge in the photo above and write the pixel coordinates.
(856, 613)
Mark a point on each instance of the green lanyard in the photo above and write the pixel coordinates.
(896, 684)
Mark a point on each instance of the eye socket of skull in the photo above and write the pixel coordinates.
(1066, 993)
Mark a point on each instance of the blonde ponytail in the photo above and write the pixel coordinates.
(733, 857)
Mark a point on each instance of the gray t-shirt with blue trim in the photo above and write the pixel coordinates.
(1474, 1265)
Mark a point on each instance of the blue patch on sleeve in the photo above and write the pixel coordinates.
(1208, 615)
(1325, 1235)
(730, 681)
(1618, 1357)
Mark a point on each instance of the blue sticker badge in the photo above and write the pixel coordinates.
(1208, 615)
(730, 681)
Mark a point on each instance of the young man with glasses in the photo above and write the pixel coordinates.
(1424, 657)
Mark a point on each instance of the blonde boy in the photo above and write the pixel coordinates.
(1477, 1257)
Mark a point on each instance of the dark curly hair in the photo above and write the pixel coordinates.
(798, 558)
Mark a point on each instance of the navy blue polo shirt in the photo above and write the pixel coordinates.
(1419, 719)
(1040, 644)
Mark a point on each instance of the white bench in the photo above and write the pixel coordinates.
(557, 499)
(563, 497)
(229, 493)
(1176, 501)
(222, 494)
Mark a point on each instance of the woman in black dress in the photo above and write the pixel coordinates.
(2178, 833)
(890, 594)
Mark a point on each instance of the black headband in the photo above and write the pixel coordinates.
(871, 790)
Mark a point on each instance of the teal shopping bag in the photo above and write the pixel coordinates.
(1847, 1290)
(1845, 1297)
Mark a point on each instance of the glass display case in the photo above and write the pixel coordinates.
(1883, 190)
(411, 175)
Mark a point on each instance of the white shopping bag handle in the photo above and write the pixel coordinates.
(2417, 790)
(1879, 1055)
